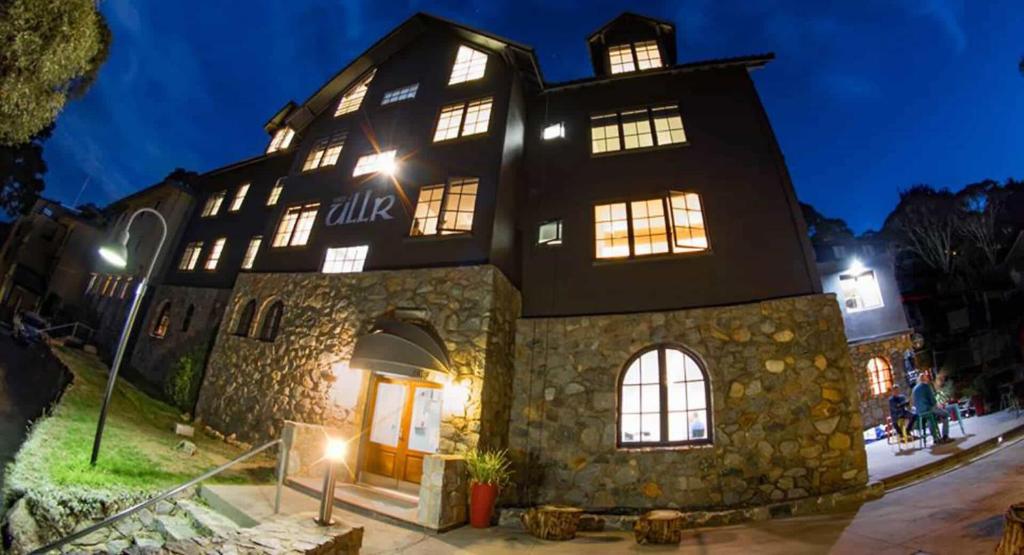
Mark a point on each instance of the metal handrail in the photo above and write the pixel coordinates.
(176, 490)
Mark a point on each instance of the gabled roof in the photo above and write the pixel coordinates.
(663, 31)
(753, 61)
(629, 15)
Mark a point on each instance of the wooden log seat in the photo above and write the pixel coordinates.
(659, 527)
(552, 522)
(1012, 542)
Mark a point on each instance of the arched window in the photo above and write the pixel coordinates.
(187, 322)
(162, 321)
(664, 400)
(879, 376)
(272, 321)
(244, 324)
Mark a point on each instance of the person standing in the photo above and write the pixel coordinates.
(924, 401)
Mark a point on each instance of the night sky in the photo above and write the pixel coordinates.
(866, 97)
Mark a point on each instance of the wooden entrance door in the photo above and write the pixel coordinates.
(405, 425)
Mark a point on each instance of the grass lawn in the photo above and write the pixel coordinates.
(137, 458)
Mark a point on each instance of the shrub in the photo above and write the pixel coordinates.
(489, 467)
(181, 386)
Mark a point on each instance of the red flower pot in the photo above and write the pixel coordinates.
(979, 405)
(481, 504)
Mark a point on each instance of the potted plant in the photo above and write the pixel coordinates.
(488, 473)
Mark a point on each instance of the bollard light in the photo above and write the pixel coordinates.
(334, 452)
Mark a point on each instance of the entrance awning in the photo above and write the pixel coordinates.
(400, 348)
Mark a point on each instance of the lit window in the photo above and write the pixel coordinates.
(550, 233)
(668, 125)
(214, 257)
(860, 291)
(379, 162)
(452, 124)
(92, 284)
(250, 252)
(162, 321)
(282, 138)
(663, 400)
(445, 209)
(478, 116)
(236, 203)
(325, 152)
(879, 376)
(113, 288)
(344, 260)
(449, 122)
(352, 99)
(647, 55)
(659, 126)
(624, 58)
(126, 286)
(469, 65)
(621, 58)
(400, 94)
(645, 227)
(295, 226)
(556, 131)
(604, 133)
(275, 193)
(190, 257)
(213, 203)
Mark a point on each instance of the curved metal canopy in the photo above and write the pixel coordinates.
(400, 348)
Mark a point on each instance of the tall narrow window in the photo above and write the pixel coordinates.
(272, 321)
(378, 162)
(126, 286)
(664, 400)
(345, 260)
(879, 376)
(445, 209)
(353, 98)
(215, 251)
(650, 226)
(325, 152)
(402, 93)
(282, 138)
(250, 252)
(213, 203)
(860, 290)
(463, 119)
(275, 192)
(186, 323)
(236, 203)
(469, 65)
(243, 326)
(295, 225)
(190, 257)
(162, 322)
(624, 58)
(92, 284)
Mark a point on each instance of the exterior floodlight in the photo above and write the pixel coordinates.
(116, 253)
(856, 267)
(389, 166)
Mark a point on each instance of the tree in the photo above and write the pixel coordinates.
(52, 49)
(822, 229)
(979, 206)
(924, 223)
(21, 174)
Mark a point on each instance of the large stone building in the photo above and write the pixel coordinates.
(442, 250)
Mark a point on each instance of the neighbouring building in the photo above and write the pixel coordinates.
(44, 261)
(110, 290)
(861, 273)
(441, 250)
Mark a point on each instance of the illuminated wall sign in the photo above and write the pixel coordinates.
(358, 208)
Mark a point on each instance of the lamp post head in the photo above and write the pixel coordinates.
(116, 253)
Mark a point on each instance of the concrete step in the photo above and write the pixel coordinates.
(207, 520)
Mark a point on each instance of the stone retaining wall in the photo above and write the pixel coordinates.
(785, 408)
(874, 408)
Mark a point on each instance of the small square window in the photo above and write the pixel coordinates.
(555, 131)
(550, 233)
(400, 94)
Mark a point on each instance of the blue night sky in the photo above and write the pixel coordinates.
(866, 97)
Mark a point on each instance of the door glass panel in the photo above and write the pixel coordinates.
(387, 414)
(426, 420)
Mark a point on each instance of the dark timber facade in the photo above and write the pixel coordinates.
(609, 276)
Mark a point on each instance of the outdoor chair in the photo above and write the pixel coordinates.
(897, 434)
(959, 416)
(925, 423)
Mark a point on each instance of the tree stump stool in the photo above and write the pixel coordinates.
(552, 522)
(659, 527)
(1013, 532)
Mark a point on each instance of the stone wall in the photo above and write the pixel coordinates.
(154, 357)
(785, 408)
(252, 386)
(874, 408)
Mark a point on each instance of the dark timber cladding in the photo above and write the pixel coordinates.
(711, 160)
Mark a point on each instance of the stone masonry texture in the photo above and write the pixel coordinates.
(785, 409)
(874, 408)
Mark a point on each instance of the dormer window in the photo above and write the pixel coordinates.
(282, 138)
(353, 99)
(641, 56)
(469, 65)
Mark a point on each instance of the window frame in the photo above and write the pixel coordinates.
(215, 253)
(301, 209)
(665, 199)
(319, 151)
(162, 322)
(875, 376)
(845, 276)
(400, 94)
(560, 238)
(251, 250)
(439, 230)
(663, 411)
(363, 82)
(467, 79)
(274, 196)
(281, 140)
(238, 200)
(365, 249)
(246, 315)
(213, 204)
(463, 106)
(631, 47)
(190, 256)
(616, 116)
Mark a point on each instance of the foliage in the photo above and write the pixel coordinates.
(52, 50)
(21, 173)
(182, 384)
(823, 230)
(489, 467)
(978, 209)
(924, 223)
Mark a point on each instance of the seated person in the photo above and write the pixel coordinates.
(899, 411)
(924, 402)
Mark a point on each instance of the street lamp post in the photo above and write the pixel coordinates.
(117, 255)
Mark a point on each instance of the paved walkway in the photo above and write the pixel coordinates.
(884, 461)
(957, 513)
